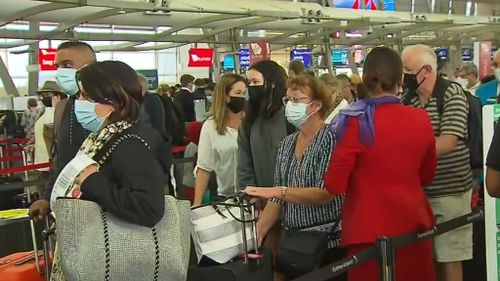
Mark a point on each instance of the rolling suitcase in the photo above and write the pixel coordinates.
(246, 268)
(28, 266)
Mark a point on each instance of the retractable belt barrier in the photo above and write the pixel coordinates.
(11, 158)
(16, 141)
(22, 169)
(383, 251)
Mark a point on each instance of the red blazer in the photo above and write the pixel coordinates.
(384, 183)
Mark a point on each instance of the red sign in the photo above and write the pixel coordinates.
(47, 59)
(259, 51)
(484, 58)
(200, 57)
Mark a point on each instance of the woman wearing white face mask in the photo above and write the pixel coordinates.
(299, 195)
(126, 178)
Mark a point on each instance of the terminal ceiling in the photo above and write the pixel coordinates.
(139, 25)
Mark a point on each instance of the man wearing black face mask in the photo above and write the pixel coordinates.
(50, 94)
(450, 193)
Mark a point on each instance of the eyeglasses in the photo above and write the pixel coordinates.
(296, 100)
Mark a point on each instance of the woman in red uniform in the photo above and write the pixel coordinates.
(385, 153)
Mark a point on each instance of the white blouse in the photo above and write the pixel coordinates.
(219, 154)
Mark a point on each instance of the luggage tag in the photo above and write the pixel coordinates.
(68, 175)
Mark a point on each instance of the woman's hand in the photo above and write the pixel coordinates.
(86, 173)
(263, 192)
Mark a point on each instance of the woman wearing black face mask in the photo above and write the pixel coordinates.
(265, 125)
(218, 147)
(262, 132)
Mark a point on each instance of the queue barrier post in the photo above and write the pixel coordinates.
(386, 259)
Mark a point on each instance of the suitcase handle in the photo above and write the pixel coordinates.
(46, 233)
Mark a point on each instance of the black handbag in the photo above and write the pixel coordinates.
(300, 252)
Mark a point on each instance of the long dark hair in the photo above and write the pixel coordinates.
(114, 83)
(275, 84)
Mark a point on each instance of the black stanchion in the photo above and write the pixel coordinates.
(386, 259)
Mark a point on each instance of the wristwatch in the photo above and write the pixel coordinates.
(283, 191)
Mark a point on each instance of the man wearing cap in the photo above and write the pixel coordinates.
(50, 95)
(468, 77)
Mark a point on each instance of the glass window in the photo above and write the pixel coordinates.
(137, 60)
(102, 56)
(167, 63)
(171, 80)
(20, 83)
(17, 65)
(44, 76)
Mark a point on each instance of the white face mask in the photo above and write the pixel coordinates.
(497, 73)
(462, 81)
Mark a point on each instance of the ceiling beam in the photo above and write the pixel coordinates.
(65, 26)
(35, 10)
(158, 37)
(203, 37)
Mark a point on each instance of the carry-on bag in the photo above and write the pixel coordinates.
(248, 267)
(96, 245)
(28, 266)
(217, 230)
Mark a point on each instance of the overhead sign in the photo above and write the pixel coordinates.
(442, 53)
(244, 57)
(388, 5)
(259, 51)
(339, 56)
(152, 76)
(201, 57)
(467, 54)
(228, 62)
(302, 54)
(47, 59)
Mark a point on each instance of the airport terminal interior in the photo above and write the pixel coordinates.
(308, 140)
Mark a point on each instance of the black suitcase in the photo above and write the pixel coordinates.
(244, 269)
(253, 270)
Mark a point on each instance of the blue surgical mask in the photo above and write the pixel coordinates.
(296, 113)
(66, 80)
(86, 116)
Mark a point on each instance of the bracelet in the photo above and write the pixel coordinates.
(283, 191)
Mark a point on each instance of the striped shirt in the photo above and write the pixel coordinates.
(308, 171)
(454, 173)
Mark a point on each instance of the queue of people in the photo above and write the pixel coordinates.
(314, 157)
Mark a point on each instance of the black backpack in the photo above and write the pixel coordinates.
(474, 139)
(174, 120)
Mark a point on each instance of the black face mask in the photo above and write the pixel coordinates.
(47, 101)
(410, 82)
(236, 104)
(256, 94)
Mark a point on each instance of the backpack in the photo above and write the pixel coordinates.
(174, 121)
(474, 121)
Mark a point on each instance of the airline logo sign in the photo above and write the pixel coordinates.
(200, 57)
(47, 59)
(259, 51)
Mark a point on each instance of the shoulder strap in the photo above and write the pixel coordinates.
(105, 152)
(440, 91)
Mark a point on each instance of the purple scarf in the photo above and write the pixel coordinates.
(364, 110)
